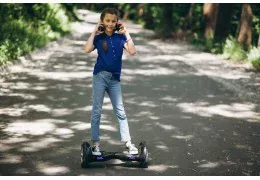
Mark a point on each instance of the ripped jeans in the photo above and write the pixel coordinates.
(105, 82)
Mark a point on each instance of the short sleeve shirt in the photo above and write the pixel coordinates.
(111, 60)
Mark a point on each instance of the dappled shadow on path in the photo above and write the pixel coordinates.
(192, 125)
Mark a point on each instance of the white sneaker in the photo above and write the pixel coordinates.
(96, 150)
(131, 148)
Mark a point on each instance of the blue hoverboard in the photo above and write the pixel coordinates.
(87, 156)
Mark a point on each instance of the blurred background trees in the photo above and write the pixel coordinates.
(228, 29)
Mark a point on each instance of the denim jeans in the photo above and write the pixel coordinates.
(105, 82)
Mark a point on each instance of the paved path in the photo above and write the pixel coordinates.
(183, 102)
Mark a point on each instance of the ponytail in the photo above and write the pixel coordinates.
(104, 43)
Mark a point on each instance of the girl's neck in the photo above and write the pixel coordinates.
(109, 33)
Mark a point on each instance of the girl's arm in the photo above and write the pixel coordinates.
(129, 45)
(89, 46)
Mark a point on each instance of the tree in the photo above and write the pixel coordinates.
(258, 44)
(149, 21)
(210, 12)
(223, 23)
(245, 32)
(188, 18)
(166, 26)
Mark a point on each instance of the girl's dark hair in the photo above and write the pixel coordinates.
(109, 11)
(102, 16)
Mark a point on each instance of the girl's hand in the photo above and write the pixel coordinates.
(96, 30)
(123, 29)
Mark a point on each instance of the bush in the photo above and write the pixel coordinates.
(33, 27)
(20, 38)
(233, 50)
(254, 57)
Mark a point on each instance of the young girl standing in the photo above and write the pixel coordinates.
(109, 38)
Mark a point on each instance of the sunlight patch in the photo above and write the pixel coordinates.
(80, 126)
(235, 110)
(22, 95)
(4, 147)
(21, 85)
(39, 88)
(169, 99)
(40, 144)
(10, 159)
(40, 108)
(113, 142)
(108, 128)
(166, 127)
(160, 168)
(162, 147)
(14, 112)
(240, 146)
(150, 72)
(61, 112)
(143, 113)
(148, 104)
(22, 171)
(48, 169)
(63, 132)
(107, 107)
(62, 76)
(14, 140)
(30, 128)
(86, 108)
(154, 117)
(209, 165)
(187, 137)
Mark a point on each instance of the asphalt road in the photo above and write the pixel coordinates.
(193, 124)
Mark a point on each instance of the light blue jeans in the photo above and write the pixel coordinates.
(105, 82)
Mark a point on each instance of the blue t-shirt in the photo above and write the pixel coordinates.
(111, 60)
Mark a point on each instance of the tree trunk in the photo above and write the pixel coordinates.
(223, 24)
(258, 45)
(147, 16)
(140, 8)
(188, 18)
(245, 33)
(166, 23)
(210, 11)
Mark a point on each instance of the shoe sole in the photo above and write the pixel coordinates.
(96, 154)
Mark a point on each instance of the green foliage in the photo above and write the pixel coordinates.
(57, 18)
(254, 57)
(209, 44)
(256, 23)
(20, 38)
(256, 30)
(152, 16)
(198, 41)
(217, 48)
(233, 50)
(235, 20)
(206, 45)
(26, 27)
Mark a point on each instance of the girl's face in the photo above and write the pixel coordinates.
(109, 21)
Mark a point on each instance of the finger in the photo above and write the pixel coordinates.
(100, 32)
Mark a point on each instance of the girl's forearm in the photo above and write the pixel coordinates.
(89, 45)
(130, 43)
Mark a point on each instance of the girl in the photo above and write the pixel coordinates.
(109, 42)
